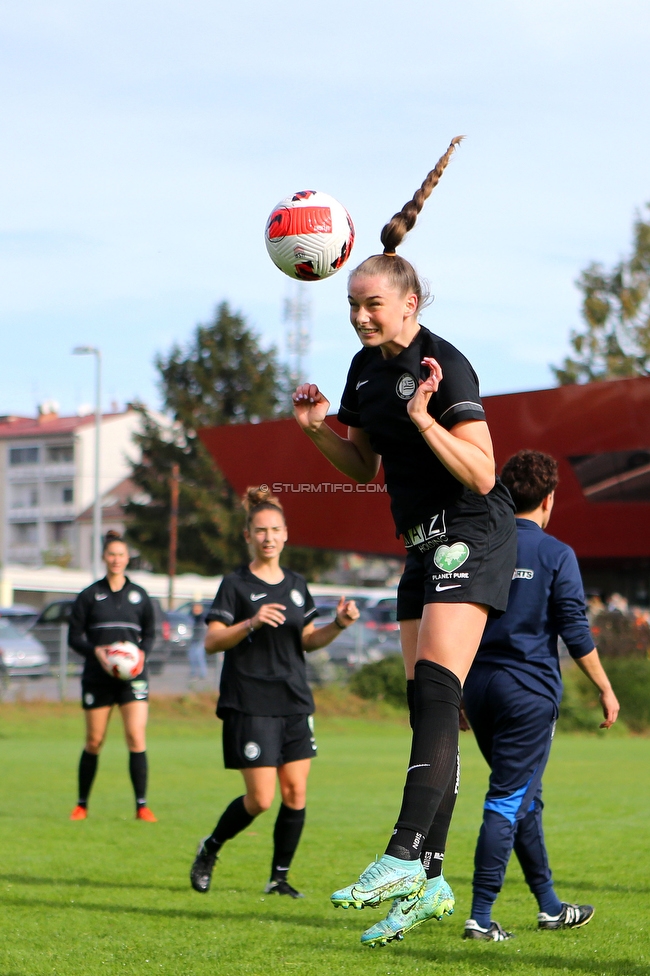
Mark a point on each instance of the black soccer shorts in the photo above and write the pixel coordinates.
(98, 692)
(465, 554)
(266, 740)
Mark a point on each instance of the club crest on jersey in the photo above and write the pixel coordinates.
(252, 751)
(297, 598)
(134, 597)
(449, 558)
(405, 386)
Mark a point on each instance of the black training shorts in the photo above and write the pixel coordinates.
(266, 740)
(100, 691)
(465, 554)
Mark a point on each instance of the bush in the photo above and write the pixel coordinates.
(580, 709)
(617, 635)
(381, 681)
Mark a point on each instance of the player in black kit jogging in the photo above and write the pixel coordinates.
(262, 617)
(113, 609)
(412, 403)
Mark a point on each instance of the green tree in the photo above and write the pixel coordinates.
(222, 376)
(615, 340)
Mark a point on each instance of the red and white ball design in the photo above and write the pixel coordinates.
(124, 660)
(309, 236)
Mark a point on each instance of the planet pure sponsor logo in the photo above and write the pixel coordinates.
(405, 386)
(252, 751)
(449, 558)
(527, 574)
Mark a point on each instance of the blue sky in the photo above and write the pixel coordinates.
(145, 143)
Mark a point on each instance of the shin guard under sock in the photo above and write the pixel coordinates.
(233, 820)
(138, 772)
(87, 769)
(286, 837)
(433, 850)
(433, 756)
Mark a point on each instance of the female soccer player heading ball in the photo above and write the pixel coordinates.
(412, 402)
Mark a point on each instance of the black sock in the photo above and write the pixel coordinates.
(286, 836)
(87, 769)
(433, 851)
(138, 774)
(410, 701)
(233, 820)
(433, 756)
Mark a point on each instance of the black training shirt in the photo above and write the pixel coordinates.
(265, 673)
(99, 617)
(375, 398)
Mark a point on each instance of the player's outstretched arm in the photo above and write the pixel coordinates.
(591, 666)
(352, 455)
(315, 637)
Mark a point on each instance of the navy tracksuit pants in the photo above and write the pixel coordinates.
(514, 729)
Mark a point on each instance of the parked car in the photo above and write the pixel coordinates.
(57, 615)
(372, 637)
(21, 615)
(182, 625)
(22, 654)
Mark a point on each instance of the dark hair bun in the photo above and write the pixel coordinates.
(253, 497)
(112, 536)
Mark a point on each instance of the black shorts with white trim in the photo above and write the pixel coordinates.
(465, 554)
(266, 740)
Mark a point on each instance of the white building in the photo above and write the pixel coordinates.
(47, 480)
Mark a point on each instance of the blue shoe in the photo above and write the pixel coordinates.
(436, 900)
(386, 878)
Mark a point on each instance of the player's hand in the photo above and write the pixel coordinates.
(310, 407)
(269, 613)
(100, 654)
(611, 708)
(346, 612)
(463, 723)
(417, 405)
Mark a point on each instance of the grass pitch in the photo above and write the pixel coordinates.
(110, 895)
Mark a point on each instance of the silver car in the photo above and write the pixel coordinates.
(21, 654)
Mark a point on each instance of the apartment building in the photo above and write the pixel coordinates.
(47, 481)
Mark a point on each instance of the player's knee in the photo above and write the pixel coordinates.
(94, 744)
(294, 797)
(258, 802)
(135, 743)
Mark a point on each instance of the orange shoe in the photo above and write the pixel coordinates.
(144, 813)
(79, 813)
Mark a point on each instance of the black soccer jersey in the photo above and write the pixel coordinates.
(265, 673)
(100, 616)
(375, 398)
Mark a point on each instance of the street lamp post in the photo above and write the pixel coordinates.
(97, 504)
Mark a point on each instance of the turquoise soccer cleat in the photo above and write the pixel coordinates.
(436, 900)
(386, 878)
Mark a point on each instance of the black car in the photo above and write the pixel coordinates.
(55, 616)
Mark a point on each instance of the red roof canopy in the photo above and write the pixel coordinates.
(599, 433)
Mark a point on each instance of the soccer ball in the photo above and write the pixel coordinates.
(123, 660)
(309, 235)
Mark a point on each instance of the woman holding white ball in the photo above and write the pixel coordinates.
(109, 611)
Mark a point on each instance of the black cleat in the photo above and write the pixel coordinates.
(282, 888)
(493, 933)
(201, 870)
(571, 917)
